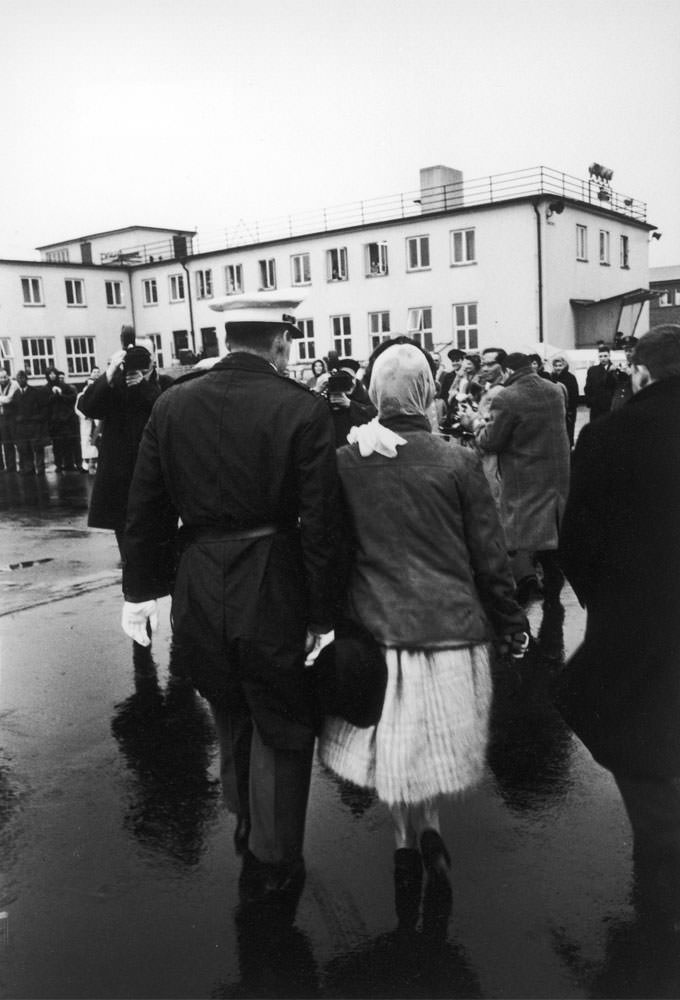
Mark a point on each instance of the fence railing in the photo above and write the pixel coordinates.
(533, 182)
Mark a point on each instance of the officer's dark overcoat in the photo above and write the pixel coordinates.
(237, 449)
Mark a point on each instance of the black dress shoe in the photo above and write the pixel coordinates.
(241, 834)
(263, 882)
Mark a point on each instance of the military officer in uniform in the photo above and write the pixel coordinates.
(246, 460)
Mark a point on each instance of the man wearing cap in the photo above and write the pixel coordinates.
(526, 429)
(245, 459)
(122, 399)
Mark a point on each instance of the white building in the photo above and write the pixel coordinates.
(514, 260)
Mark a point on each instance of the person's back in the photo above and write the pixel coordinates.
(421, 520)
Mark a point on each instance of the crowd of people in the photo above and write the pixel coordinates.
(303, 507)
(274, 512)
(34, 418)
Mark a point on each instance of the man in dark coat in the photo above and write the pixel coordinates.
(600, 384)
(246, 459)
(562, 376)
(63, 424)
(8, 459)
(122, 398)
(620, 549)
(30, 405)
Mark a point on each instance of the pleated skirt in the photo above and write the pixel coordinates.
(433, 733)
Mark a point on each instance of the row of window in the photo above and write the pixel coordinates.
(38, 353)
(376, 264)
(32, 292)
(604, 246)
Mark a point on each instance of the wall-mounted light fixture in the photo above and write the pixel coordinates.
(554, 208)
(656, 235)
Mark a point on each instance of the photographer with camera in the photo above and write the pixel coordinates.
(348, 400)
(122, 399)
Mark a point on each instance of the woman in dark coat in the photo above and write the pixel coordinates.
(562, 375)
(434, 608)
(122, 398)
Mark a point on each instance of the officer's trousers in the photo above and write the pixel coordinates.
(269, 785)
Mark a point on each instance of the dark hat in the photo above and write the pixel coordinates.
(349, 364)
(351, 676)
(629, 341)
(137, 359)
(455, 355)
(517, 360)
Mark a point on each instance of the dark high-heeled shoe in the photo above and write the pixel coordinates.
(438, 897)
(408, 885)
(241, 834)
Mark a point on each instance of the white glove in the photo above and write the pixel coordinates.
(135, 617)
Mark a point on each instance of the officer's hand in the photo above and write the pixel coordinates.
(339, 400)
(133, 378)
(135, 617)
(314, 643)
(115, 361)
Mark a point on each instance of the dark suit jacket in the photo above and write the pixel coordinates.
(236, 449)
(599, 389)
(620, 549)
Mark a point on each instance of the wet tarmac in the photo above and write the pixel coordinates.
(119, 877)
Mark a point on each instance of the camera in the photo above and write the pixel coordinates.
(339, 381)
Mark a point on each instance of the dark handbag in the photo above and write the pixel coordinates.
(350, 676)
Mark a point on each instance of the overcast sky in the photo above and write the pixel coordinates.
(201, 113)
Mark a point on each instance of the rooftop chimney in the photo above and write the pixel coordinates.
(441, 188)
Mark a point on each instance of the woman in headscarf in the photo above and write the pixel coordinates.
(562, 376)
(430, 579)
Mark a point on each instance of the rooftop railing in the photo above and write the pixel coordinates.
(490, 190)
(497, 188)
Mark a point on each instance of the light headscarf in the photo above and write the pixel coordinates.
(401, 382)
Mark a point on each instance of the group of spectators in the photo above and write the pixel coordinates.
(33, 417)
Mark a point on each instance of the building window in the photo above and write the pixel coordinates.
(463, 246)
(624, 251)
(57, 256)
(157, 342)
(150, 292)
(38, 354)
(114, 293)
(176, 287)
(80, 356)
(342, 335)
(305, 344)
(209, 345)
(378, 328)
(204, 284)
(676, 296)
(581, 243)
(336, 263)
(31, 289)
(664, 299)
(604, 246)
(6, 355)
(465, 329)
(75, 292)
(420, 326)
(233, 279)
(301, 269)
(180, 340)
(376, 260)
(267, 273)
(417, 253)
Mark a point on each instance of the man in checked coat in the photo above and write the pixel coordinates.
(526, 429)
